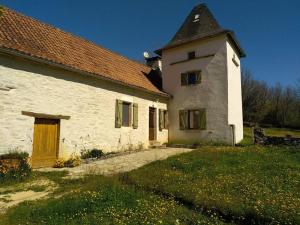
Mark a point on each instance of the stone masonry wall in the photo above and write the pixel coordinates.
(211, 94)
(261, 138)
(90, 102)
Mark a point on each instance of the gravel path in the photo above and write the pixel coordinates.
(122, 163)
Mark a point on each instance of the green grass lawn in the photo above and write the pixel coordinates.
(248, 140)
(101, 200)
(212, 185)
(247, 184)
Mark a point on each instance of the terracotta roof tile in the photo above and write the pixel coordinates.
(29, 36)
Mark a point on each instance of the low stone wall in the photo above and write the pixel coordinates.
(260, 138)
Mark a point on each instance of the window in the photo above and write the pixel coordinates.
(126, 114)
(192, 119)
(196, 18)
(191, 78)
(163, 119)
(191, 55)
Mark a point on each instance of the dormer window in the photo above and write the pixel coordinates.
(191, 78)
(192, 55)
(196, 18)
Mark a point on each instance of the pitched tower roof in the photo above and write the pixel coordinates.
(200, 24)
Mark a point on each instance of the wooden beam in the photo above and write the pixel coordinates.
(45, 116)
(197, 57)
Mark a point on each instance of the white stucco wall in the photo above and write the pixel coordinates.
(89, 101)
(235, 111)
(211, 94)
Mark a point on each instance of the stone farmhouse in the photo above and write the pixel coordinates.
(60, 94)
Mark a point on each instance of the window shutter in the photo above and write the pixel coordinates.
(161, 119)
(184, 79)
(135, 116)
(202, 118)
(183, 119)
(166, 119)
(198, 77)
(118, 114)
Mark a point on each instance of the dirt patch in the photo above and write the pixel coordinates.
(10, 200)
(41, 188)
(35, 185)
(14, 195)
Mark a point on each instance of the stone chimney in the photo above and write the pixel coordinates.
(154, 62)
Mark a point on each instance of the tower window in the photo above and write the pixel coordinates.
(190, 78)
(192, 55)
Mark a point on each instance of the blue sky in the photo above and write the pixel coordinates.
(269, 31)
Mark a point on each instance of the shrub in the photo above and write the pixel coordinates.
(73, 161)
(94, 153)
(15, 155)
(14, 165)
(59, 163)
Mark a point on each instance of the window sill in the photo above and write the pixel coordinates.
(163, 129)
(126, 127)
(190, 85)
(194, 130)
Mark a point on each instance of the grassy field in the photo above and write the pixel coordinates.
(212, 185)
(237, 184)
(102, 200)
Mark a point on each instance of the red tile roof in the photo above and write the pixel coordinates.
(31, 37)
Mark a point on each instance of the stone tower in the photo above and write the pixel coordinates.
(201, 70)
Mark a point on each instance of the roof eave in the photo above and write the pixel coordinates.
(236, 44)
(226, 32)
(71, 69)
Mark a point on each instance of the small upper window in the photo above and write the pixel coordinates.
(191, 55)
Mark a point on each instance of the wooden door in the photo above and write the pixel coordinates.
(45, 142)
(152, 124)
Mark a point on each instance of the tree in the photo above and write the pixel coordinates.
(298, 88)
(275, 105)
(254, 96)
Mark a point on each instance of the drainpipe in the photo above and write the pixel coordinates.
(232, 126)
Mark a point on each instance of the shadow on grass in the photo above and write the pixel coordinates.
(228, 217)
